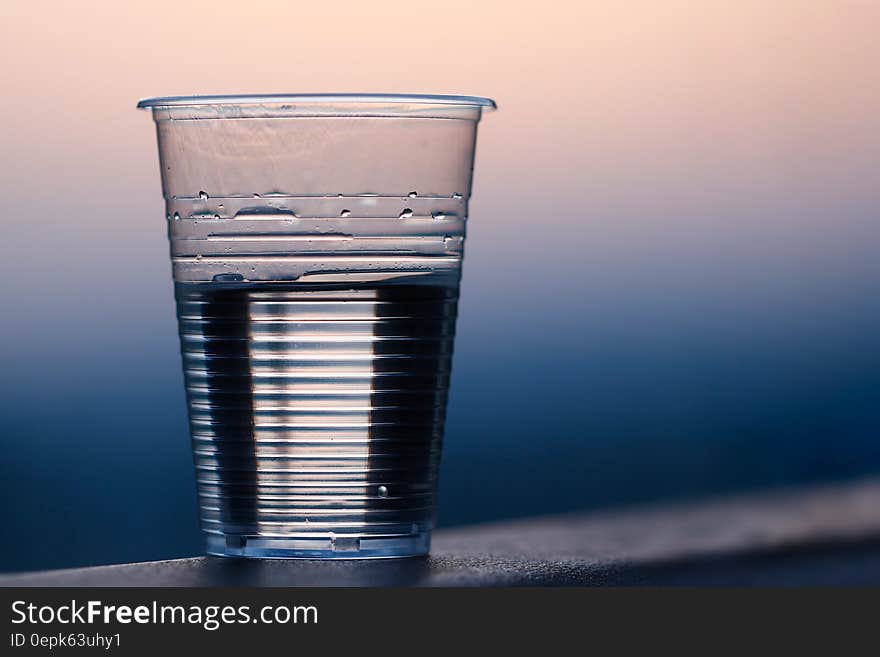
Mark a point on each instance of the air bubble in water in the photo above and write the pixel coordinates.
(406, 214)
(383, 491)
(203, 196)
(413, 194)
(440, 216)
(345, 213)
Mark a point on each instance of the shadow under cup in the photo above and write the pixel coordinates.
(316, 247)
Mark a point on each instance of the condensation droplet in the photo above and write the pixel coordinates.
(216, 216)
(256, 195)
(383, 491)
(456, 195)
(176, 216)
(168, 217)
(413, 194)
(199, 257)
(253, 269)
(406, 214)
(228, 278)
(345, 213)
(203, 196)
(219, 205)
(440, 216)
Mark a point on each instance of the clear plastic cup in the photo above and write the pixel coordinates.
(316, 248)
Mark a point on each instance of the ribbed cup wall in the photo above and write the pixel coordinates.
(316, 354)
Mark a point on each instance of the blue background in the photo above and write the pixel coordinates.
(592, 383)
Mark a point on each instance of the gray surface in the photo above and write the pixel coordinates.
(828, 535)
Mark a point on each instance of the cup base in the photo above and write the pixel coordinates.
(339, 547)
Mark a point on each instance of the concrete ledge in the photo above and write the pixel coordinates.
(826, 535)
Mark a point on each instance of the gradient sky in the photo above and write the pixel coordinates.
(671, 271)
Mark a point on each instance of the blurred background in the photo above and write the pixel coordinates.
(670, 288)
